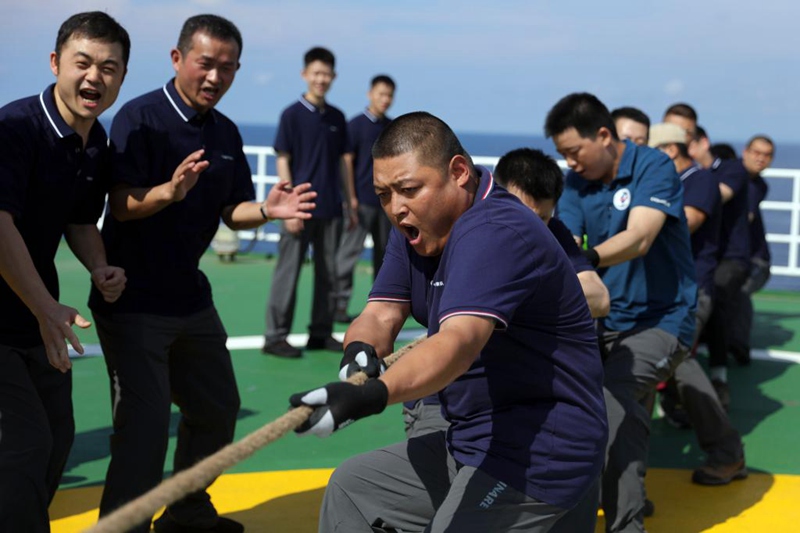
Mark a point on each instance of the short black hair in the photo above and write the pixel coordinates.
(761, 137)
(382, 78)
(723, 151)
(682, 109)
(633, 113)
(94, 25)
(319, 53)
(429, 137)
(700, 133)
(582, 111)
(533, 172)
(213, 26)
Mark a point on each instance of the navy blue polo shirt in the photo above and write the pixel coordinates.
(701, 191)
(530, 410)
(757, 192)
(364, 130)
(150, 136)
(734, 241)
(316, 138)
(48, 180)
(654, 291)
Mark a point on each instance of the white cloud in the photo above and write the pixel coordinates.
(674, 87)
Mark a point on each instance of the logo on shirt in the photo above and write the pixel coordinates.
(660, 201)
(227, 157)
(89, 178)
(334, 128)
(622, 199)
(437, 283)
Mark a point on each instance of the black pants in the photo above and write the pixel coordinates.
(152, 362)
(36, 433)
(728, 280)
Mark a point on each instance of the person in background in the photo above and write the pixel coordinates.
(627, 200)
(54, 176)
(631, 123)
(311, 143)
(178, 167)
(734, 258)
(756, 157)
(703, 208)
(363, 131)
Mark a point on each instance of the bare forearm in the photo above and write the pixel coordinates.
(373, 330)
(18, 270)
(348, 177)
(132, 203)
(85, 242)
(622, 247)
(283, 166)
(246, 215)
(595, 292)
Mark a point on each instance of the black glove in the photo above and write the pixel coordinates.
(360, 357)
(339, 404)
(592, 255)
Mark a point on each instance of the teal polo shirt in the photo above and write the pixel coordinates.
(659, 289)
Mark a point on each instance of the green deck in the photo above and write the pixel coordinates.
(766, 395)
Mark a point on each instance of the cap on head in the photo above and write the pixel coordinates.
(666, 133)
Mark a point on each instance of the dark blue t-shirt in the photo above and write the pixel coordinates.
(654, 291)
(701, 191)
(316, 138)
(734, 240)
(364, 130)
(150, 136)
(48, 180)
(530, 409)
(758, 189)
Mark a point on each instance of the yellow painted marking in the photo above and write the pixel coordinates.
(288, 501)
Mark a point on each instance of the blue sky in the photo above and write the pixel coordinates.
(482, 69)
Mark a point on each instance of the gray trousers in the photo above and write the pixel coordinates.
(152, 362)
(323, 235)
(371, 220)
(634, 363)
(712, 426)
(416, 485)
(423, 419)
(36, 433)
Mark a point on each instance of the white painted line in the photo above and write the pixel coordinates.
(256, 342)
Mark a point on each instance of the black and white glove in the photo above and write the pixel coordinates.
(360, 357)
(339, 404)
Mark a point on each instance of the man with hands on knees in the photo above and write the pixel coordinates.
(54, 175)
(511, 350)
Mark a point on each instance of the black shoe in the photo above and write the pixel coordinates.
(324, 343)
(649, 508)
(166, 524)
(719, 474)
(281, 349)
(723, 393)
(342, 317)
(741, 355)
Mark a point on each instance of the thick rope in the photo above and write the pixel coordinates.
(203, 473)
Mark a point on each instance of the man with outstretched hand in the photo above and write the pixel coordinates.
(510, 349)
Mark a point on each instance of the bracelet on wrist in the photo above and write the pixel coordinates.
(264, 212)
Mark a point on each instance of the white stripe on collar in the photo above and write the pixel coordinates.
(370, 116)
(489, 187)
(688, 172)
(46, 112)
(308, 105)
(171, 101)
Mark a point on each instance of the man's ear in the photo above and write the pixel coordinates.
(459, 169)
(605, 136)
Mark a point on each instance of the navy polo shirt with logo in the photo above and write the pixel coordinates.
(364, 130)
(757, 192)
(530, 410)
(654, 291)
(701, 191)
(734, 241)
(48, 180)
(150, 136)
(316, 138)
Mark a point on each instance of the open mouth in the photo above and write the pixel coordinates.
(411, 233)
(90, 94)
(209, 92)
